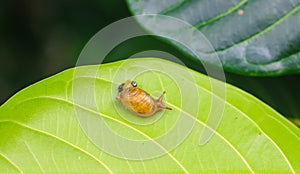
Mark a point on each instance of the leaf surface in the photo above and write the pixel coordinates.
(71, 122)
(250, 37)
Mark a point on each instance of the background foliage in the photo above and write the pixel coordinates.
(41, 38)
(251, 37)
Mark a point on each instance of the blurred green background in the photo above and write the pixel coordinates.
(40, 38)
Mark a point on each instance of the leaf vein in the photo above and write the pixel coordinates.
(173, 7)
(231, 10)
(258, 127)
(241, 112)
(246, 116)
(11, 162)
(108, 117)
(261, 32)
(34, 157)
(58, 139)
(213, 130)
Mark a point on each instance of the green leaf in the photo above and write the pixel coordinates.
(250, 37)
(71, 122)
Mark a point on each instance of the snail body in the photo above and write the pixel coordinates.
(138, 101)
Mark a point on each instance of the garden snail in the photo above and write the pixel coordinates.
(138, 101)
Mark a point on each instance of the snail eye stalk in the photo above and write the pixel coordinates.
(134, 84)
(121, 87)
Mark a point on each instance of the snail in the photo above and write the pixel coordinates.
(138, 101)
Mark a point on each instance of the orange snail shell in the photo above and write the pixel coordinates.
(138, 101)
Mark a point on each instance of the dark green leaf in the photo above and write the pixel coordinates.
(250, 37)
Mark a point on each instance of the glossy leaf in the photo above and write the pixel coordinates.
(250, 37)
(52, 126)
